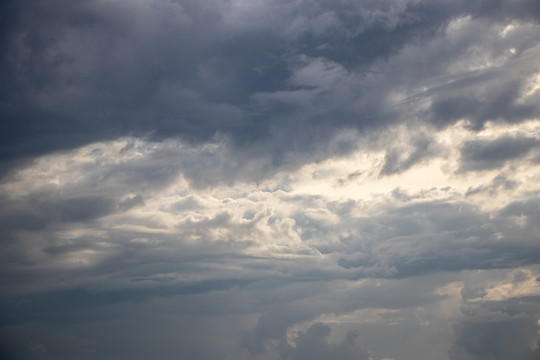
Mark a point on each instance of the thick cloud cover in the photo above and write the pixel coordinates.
(283, 74)
(270, 179)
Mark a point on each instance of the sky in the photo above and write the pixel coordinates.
(270, 179)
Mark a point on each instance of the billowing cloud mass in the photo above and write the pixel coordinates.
(301, 179)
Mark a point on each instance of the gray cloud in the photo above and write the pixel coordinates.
(397, 160)
(499, 182)
(498, 330)
(100, 70)
(272, 179)
(490, 154)
(313, 344)
(495, 340)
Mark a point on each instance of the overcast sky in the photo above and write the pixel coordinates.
(270, 179)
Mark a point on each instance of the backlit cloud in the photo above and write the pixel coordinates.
(270, 180)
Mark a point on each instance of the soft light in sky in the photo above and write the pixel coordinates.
(270, 180)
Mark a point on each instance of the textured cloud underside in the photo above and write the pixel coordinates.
(305, 179)
(339, 241)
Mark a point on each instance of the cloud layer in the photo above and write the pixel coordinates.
(270, 180)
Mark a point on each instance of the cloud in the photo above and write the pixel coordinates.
(501, 313)
(489, 154)
(313, 344)
(104, 70)
(494, 340)
(498, 182)
(269, 179)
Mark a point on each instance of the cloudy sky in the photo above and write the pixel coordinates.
(270, 179)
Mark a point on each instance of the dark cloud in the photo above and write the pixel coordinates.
(494, 340)
(231, 179)
(500, 182)
(300, 303)
(80, 72)
(498, 327)
(528, 210)
(483, 103)
(490, 154)
(398, 160)
(498, 330)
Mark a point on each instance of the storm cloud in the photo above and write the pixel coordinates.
(304, 179)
